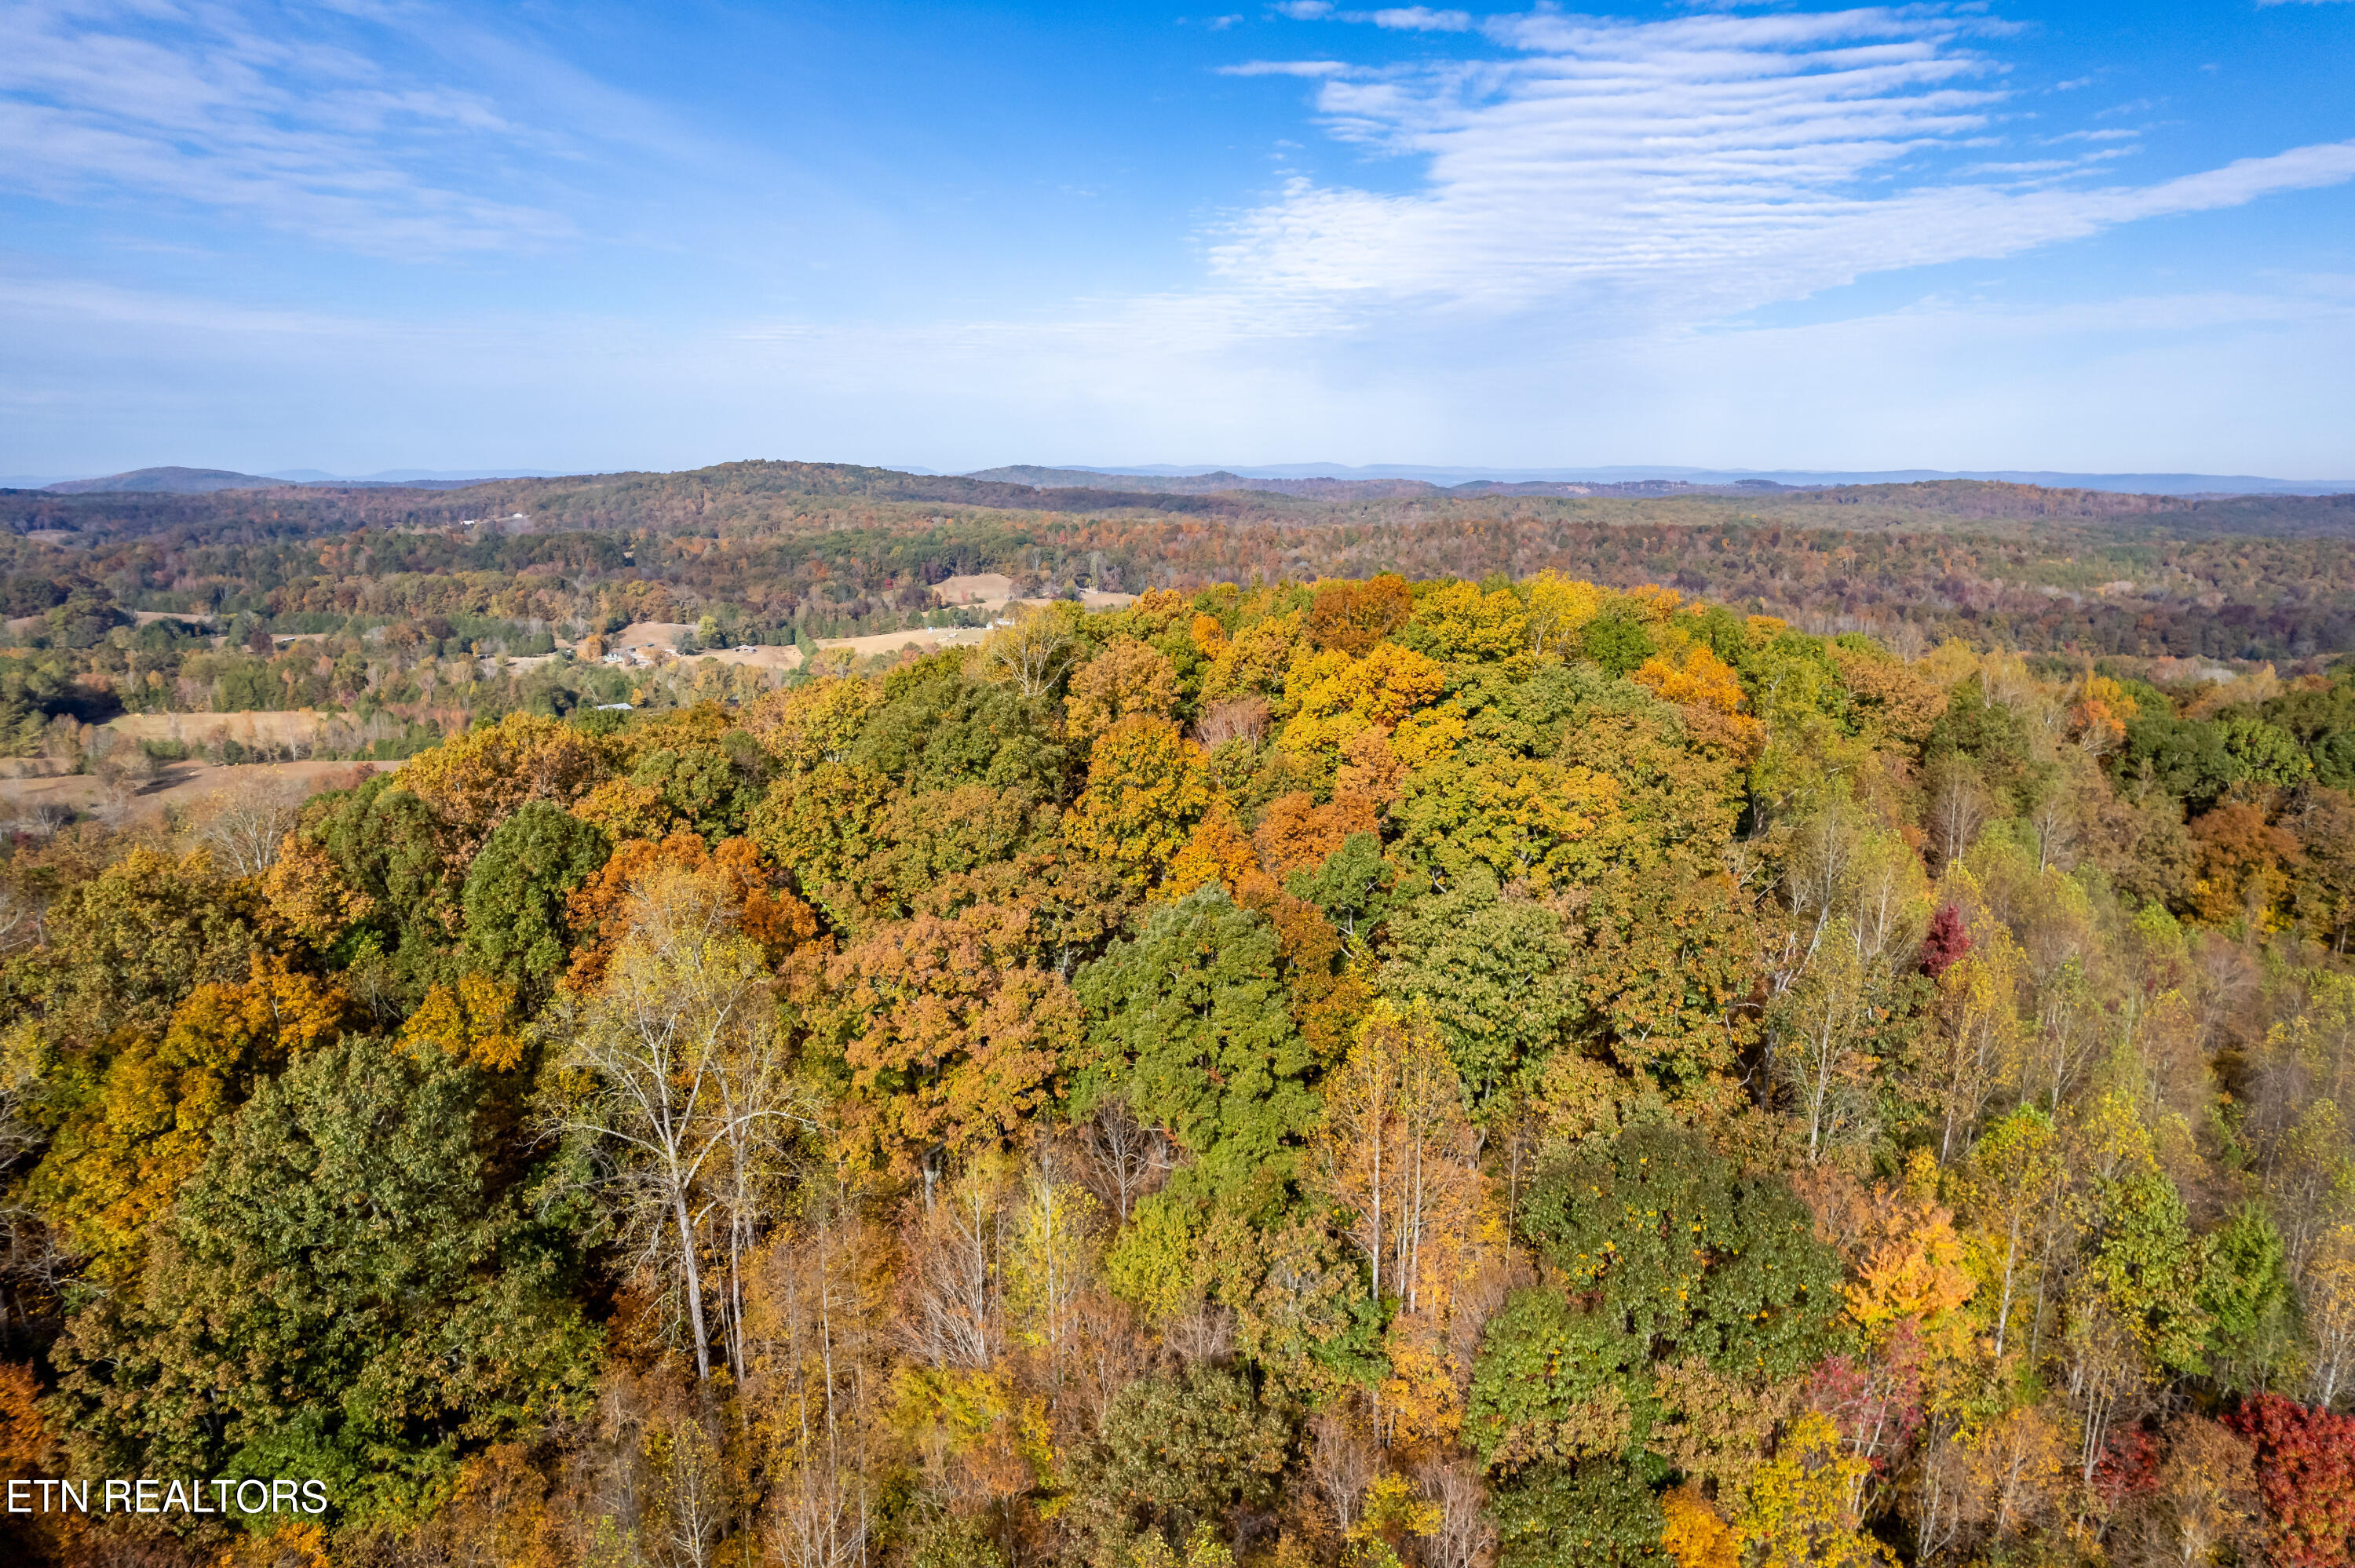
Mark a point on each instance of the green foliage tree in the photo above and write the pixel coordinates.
(712, 792)
(349, 1289)
(2149, 1266)
(1178, 1451)
(1354, 886)
(1598, 1514)
(514, 891)
(1688, 1255)
(1618, 641)
(1494, 973)
(125, 948)
(2248, 1299)
(393, 849)
(939, 726)
(1187, 1024)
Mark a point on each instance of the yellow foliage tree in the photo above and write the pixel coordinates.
(1217, 851)
(2098, 719)
(805, 725)
(1695, 1536)
(1559, 608)
(1032, 653)
(1911, 1272)
(1458, 624)
(117, 1164)
(304, 888)
(475, 781)
(1253, 660)
(1799, 1514)
(623, 811)
(1125, 680)
(1698, 677)
(475, 1021)
(1332, 697)
(1146, 790)
(1652, 603)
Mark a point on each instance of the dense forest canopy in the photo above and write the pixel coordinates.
(1548, 1070)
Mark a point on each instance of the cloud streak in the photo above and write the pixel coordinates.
(1689, 171)
(289, 126)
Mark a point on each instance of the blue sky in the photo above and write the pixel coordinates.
(388, 233)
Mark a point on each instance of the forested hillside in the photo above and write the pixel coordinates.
(778, 553)
(1525, 1072)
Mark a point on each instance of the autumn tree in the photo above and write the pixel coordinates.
(1127, 679)
(477, 780)
(116, 1165)
(2305, 1475)
(1174, 1452)
(1397, 1158)
(1146, 789)
(1354, 616)
(955, 1039)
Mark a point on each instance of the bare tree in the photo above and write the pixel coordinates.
(680, 1045)
(2202, 1505)
(1820, 1059)
(691, 1501)
(1464, 1537)
(2326, 1286)
(37, 818)
(1201, 1334)
(1034, 651)
(1343, 1463)
(29, 1253)
(20, 919)
(813, 1333)
(949, 1300)
(244, 824)
(1958, 808)
(1238, 718)
(1121, 1158)
(819, 1518)
(1820, 865)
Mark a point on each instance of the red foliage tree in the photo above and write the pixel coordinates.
(1946, 942)
(2305, 1473)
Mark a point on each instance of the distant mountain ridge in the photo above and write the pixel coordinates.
(1661, 481)
(205, 481)
(791, 496)
(169, 481)
(1310, 481)
(1331, 488)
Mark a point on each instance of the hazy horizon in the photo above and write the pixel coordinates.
(1439, 475)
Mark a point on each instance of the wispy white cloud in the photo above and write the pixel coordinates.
(1286, 68)
(1689, 170)
(1397, 18)
(263, 116)
(1415, 19)
(1575, 218)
